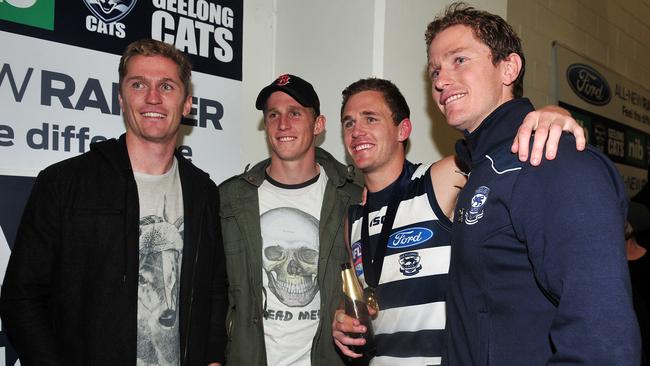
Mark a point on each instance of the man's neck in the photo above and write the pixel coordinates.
(377, 180)
(149, 157)
(293, 172)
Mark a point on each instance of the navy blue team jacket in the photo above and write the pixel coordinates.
(538, 272)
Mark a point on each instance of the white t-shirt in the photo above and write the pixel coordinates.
(289, 219)
(161, 251)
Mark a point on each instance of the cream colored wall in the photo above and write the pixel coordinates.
(615, 33)
(334, 43)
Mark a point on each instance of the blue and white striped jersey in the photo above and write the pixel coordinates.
(409, 329)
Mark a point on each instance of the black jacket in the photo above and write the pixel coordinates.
(70, 292)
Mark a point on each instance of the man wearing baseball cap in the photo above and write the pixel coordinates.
(282, 224)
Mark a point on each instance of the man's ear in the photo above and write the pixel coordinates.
(405, 129)
(319, 124)
(511, 67)
(187, 106)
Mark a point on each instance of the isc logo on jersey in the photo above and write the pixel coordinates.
(409, 237)
(106, 15)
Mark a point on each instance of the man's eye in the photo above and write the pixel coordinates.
(434, 74)
(460, 60)
(348, 124)
(137, 85)
(167, 86)
(295, 114)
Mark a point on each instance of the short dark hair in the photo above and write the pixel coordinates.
(151, 47)
(489, 28)
(392, 95)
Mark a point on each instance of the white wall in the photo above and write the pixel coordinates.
(334, 43)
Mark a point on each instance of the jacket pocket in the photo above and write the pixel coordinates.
(230, 230)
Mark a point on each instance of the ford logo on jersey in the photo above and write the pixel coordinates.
(409, 237)
(588, 84)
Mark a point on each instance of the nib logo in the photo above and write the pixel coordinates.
(110, 10)
(36, 13)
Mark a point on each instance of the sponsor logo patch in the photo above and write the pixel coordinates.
(357, 260)
(478, 201)
(409, 237)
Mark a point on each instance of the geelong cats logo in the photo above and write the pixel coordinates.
(478, 200)
(110, 11)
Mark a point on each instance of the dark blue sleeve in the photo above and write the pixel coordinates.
(571, 214)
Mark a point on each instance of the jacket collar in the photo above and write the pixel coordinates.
(337, 173)
(114, 152)
(499, 127)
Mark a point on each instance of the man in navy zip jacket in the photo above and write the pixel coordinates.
(538, 273)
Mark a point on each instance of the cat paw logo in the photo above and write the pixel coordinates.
(110, 11)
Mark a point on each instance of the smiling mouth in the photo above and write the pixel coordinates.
(362, 147)
(286, 138)
(153, 115)
(453, 98)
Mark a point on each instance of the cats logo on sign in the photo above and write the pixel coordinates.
(106, 15)
(110, 11)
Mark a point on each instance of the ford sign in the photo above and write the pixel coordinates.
(409, 237)
(588, 84)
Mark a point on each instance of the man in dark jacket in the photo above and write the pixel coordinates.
(118, 259)
(538, 273)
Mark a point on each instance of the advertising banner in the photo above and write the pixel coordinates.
(614, 110)
(59, 87)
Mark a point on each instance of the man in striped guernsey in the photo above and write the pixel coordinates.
(408, 207)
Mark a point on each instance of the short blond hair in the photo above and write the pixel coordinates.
(151, 47)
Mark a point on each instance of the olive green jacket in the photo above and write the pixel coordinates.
(240, 221)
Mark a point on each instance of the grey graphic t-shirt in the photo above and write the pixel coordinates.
(161, 250)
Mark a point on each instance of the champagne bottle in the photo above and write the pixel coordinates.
(356, 307)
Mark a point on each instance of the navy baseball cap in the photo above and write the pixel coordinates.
(299, 89)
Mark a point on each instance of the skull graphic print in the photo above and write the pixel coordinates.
(290, 255)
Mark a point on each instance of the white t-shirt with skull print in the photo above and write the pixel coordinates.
(289, 219)
(161, 251)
